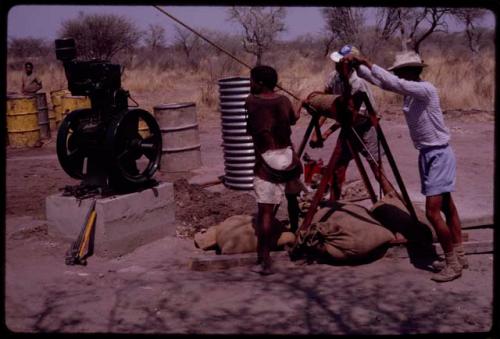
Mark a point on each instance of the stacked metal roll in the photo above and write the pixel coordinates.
(239, 155)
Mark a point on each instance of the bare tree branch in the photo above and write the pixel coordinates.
(261, 26)
(154, 37)
(343, 23)
(415, 25)
(187, 42)
(468, 17)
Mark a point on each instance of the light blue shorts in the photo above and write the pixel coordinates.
(437, 167)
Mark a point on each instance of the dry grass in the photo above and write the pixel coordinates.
(464, 83)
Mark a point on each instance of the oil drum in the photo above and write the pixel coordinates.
(43, 115)
(22, 121)
(180, 137)
(55, 97)
(69, 103)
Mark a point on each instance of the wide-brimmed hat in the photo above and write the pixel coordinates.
(345, 50)
(407, 59)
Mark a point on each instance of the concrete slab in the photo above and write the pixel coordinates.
(468, 219)
(479, 241)
(123, 222)
(213, 262)
(470, 247)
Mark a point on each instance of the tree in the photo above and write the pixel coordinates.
(415, 25)
(154, 37)
(261, 26)
(469, 18)
(343, 25)
(28, 47)
(188, 43)
(100, 36)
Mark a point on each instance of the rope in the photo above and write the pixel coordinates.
(217, 46)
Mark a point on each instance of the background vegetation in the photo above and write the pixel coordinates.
(157, 71)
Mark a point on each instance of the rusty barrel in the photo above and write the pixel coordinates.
(180, 137)
(239, 154)
(43, 115)
(71, 102)
(22, 121)
(55, 98)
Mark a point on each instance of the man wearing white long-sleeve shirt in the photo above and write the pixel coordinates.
(430, 136)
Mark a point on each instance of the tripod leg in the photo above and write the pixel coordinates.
(361, 168)
(406, 198)
(314, 123)
(377, 170)
(397, 175)
(322, 187)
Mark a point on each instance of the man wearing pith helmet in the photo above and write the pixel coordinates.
(437, 164)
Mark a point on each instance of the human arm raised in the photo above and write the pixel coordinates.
(386, 80)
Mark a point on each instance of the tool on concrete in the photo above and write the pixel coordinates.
(82, 247)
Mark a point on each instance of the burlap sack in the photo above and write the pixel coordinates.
(236, 234)
(323, 103)
(206, 240)
(393, 214)
(347, 232)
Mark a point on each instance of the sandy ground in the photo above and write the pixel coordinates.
(153, 290)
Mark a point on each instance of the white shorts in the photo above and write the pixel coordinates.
(268, 192)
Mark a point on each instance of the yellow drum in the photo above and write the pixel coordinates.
(22, 121)
(143, 129)
(69, 103)
(52, 119)
(55, 97)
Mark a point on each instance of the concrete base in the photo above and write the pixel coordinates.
(123, 223)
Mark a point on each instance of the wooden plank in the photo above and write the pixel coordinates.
(470, 247)
(477, 221)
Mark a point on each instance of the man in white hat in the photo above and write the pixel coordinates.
(362, 125)
(430, 136)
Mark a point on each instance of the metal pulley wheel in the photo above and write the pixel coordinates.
(70, 150)
(134, 143)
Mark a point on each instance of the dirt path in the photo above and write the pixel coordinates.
(152, 289)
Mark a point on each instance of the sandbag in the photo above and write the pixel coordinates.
(236, 234)
(347, 231)
(393, 214)
(206, 239)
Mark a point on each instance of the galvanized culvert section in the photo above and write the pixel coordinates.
(239, 155)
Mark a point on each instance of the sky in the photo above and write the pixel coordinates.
(44, 21)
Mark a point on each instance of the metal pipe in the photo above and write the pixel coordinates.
(218, 47)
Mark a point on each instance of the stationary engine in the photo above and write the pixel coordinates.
(110, 145)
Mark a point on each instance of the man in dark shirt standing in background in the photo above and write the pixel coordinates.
(30, 84)
(277, 167)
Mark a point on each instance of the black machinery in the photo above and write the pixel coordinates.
(109, 146)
